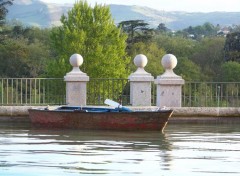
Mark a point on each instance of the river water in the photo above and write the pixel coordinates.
(181, 150)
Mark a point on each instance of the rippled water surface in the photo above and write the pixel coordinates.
(181, 150)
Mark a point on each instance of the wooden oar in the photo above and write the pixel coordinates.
(117, 105)
(112, 103)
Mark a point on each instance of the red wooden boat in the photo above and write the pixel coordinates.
(99, 118)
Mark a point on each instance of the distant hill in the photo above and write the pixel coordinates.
(38, 13)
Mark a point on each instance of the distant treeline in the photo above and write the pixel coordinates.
(204, 53)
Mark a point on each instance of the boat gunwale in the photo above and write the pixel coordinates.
(97, 112)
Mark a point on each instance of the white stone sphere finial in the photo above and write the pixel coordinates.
(76, 60)
(140, 60)
(169, 61)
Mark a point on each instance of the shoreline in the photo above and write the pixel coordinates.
(19, 114)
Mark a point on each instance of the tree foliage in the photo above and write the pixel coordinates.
(23, 51)
(189, 70)
(230, 72)
(232, 47)
(91, 32)
(161, 28)
(20, 59)
(207, 29)
(4, 10)
(179, 46)
(209, 56)
(137, 30)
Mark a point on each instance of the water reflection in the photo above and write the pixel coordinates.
(71, 152)
(205, 149)
(181, 150)
(105, 152)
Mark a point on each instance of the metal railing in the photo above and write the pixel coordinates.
(211, 94)
(52, 91)
(100, 89)
(32, 91)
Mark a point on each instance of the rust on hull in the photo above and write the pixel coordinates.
(101, 120)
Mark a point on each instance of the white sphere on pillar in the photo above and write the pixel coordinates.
(76, 60)
(169, 61)
(140, 60)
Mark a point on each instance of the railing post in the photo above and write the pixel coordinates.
(76, 83)
(169, 85)
(140, 83)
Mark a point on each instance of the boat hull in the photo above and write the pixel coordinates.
(100, 120)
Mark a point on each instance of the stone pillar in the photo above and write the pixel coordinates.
(140, 83)
(169, 85)
(76, 83)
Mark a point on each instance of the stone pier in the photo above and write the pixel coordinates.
(76, 83)
(140, 83)
(169, 85)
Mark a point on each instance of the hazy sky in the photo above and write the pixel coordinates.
(169, 5)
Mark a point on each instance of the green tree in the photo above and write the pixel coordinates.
(24, 51)
(188, 70)
(137, 30)
(30, 33)
(161, 28)
(18, 58)
(209, 56)
(230, 72)
(4, 10)
(207, 29)
(179, 46)
(232, 47)
(91, 32)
